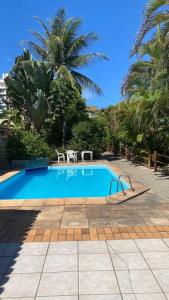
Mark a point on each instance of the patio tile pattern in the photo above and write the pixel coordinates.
(85, 270)
(83, 234)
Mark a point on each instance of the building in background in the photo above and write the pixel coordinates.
(2, 93)
(92, 111)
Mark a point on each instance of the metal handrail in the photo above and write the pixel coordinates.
(129, 179)
(118, 181)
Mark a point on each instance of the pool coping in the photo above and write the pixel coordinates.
(118, 198)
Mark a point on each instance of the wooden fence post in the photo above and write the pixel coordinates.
(126, 152)
(149, 160)
(155, 161)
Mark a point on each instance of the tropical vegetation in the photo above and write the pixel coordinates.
(45, 88)
(141, 120)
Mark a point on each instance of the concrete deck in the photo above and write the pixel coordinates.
(158, 183)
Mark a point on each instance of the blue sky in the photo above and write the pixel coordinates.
(115, 22)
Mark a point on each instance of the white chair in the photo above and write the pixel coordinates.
(61, 156)
(71, 155)
(86, 152)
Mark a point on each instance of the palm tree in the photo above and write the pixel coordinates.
(146, 86)
(150, 71)
(156, 13)
(62, 47)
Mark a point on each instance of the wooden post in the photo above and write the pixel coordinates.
(149, 160)
(120, 150)
(126, 152)
(155, 161)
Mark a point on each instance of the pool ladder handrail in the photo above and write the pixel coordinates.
(129, 179)
(118, 181)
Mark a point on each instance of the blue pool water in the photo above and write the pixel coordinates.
(60, 182)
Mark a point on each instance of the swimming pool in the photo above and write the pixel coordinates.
(60, 182)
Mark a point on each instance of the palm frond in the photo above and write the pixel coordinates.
(147, 26)
(72, 26)
(63, 72)
(81, 42)
(39, 37)
(37, 50)
(80, 61)
(153, 6)
(47, 31)
(85, 82)
(57, 24)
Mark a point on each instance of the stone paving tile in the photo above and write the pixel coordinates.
(57, 298)
(95, 262)
(62, 248)
(92, 247)
(153, 296)
(50, 224)
(125, 214)
(162, 277)
(22, 298)
(60, 263)
(122, 246)
(74, 215)
(156, 221)
(166, 241)
(51, 213)
(81, 223)
(137, 281)
(57, 284)
(128, 261)
(151, 245)
(97, 282)
(102, 222)
(35, 248)
(157, 260)
(19, 285)
(101, 297)
(27, 264)
(130, 222)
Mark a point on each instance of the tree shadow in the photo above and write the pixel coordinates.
(110, 157)
(15, 225)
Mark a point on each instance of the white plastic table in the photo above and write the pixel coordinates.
(86, 152)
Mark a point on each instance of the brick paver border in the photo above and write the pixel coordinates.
(87, 234)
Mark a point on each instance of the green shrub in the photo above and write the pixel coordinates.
(88, 135)
(26, 145)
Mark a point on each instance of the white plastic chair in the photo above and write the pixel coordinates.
(71, 155)
(61, 156)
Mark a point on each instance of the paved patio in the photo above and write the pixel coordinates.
(93, 270)
(126, 259)
(158, 183)
(145, 216)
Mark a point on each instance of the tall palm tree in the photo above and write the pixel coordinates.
(63, 48)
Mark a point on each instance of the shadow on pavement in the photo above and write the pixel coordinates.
(14, 227)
